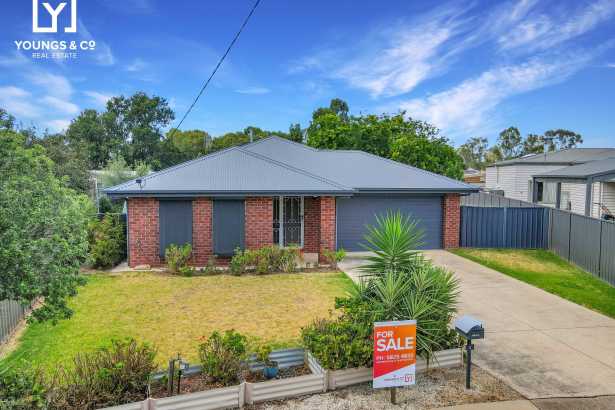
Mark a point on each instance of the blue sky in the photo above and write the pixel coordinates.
(470, 68)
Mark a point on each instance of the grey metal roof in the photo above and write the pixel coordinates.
(583, 171)
(564, 157)
(275, 165)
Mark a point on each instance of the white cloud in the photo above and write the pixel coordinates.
(253, 90)
(469, 107)
(15, 59)
(56, 85)
(103, 54)
(64, 106)
(58, 125)
(541, 31)
(17, 102)
(99, 98)
(136, 65)
(611, 65)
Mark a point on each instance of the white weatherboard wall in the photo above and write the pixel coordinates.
(514, 179)
(602, 193)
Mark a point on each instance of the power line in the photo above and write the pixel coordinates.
(245, 22)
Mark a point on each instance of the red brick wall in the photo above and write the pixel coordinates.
(311, 222)
(143, 232)
(451, 212)
(259, 222)
(202, 244)
(327, 225)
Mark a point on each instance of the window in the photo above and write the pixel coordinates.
(546, 192)
(288, 221)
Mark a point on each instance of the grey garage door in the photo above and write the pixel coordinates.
(353, 214)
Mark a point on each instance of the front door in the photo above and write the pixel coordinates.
(288, 221)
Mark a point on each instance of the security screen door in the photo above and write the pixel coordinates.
(288, 220)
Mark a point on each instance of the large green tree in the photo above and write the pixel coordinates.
(43, 229)
(90, 132)
(138, 121)
(7, 121)
(398, 137)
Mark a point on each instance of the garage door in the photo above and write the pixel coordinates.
(353, 214)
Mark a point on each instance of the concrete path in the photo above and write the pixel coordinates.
(540, 344)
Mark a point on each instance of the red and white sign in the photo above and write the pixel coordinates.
(394, 353)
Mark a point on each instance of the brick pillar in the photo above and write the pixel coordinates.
(143, 232)
(202, 243)
(327, 225)
(451, 220)
(311, 225)
(259, 222)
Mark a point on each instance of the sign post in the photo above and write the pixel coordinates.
(394, 354)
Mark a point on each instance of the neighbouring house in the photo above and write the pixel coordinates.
(274, 191)
(581, 180)
(474, 177)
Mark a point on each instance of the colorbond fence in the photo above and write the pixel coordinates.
(492, 221)
(11, 313)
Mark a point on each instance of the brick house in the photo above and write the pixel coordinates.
(274, 191)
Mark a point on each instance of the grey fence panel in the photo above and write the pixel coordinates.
(11, 313)
(607, 252)
(504, 227)
(486, 200)
(560, 233)
(585, 243)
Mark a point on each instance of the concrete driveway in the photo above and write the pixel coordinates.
(540, 344)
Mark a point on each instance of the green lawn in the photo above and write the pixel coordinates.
(548, 271)
(174, 313)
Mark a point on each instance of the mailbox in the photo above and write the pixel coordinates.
(470, 328)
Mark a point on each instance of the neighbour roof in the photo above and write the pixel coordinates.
(582, 171)
(564, 157)
(276, 165)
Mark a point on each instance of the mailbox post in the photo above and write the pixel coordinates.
(470, 329)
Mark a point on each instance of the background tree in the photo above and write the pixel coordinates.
(70, 161)
(138, 121)
(432, 154)
(7, 121)
(510, 143)
(89, 133)
(118, 171)
(295, 133)
(473, 152)
(533, 144)
(562, 139)
(43, 229)
(190, 144)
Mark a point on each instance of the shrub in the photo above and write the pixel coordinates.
(339, 343)
(22, 389)
(334, 257)
(264, 260)
(262, 355)
(107, 242)
(110, 376)
(177, 258)
(428, 295)
(239, 262)
(222, 356)
(394, 241)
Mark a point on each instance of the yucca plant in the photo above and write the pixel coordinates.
(394, 240)
(428, 294)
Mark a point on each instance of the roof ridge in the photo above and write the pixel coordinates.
(295, 169)
(277, 138)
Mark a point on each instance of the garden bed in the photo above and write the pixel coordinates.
(306, 377)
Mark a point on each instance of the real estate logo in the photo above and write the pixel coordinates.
(47, 19)
(54, 13)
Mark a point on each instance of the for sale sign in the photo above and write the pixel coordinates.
(394, 353)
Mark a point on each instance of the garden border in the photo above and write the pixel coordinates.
(320, 381)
